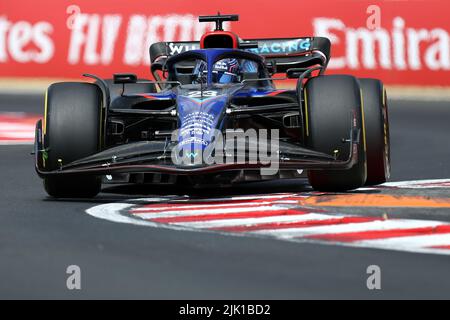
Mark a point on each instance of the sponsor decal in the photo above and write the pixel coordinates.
(175, 48)
(274, 47)
(235, 146)
(25, 42)
(395, 47)
(199, 96)
(192, 155)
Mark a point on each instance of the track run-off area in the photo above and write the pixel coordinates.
(305, 216)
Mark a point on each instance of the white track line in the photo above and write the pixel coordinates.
(255, 221)
(419, 241)
(171, 206)
(351, 227)
(17, 128)
(16, 135)
(11, 126)
(175, 213)
(418, 184)
(111, 212)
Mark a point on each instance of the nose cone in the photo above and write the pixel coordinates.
(199, 116)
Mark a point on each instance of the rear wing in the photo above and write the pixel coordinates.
(281, 53)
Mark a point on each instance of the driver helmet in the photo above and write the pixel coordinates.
(225, 71)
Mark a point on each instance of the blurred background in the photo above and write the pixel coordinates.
(402, 42)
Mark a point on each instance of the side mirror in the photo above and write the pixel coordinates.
(159, 66)
(272, 67)
(122, 78)
(295, 73)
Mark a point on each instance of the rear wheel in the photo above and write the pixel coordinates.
(72, 130)
(333, 107)
(377, 131)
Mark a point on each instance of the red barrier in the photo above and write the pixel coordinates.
(45, 38)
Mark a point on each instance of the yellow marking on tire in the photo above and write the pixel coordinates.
(45, 112)
(385, 135)
(384, 113)
(101, 125)
(44, 129)
(363, 120)
(363, 129)
(306, 113)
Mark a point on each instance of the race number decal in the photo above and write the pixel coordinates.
(199, 94)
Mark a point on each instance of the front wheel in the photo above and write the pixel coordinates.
(72, 130)
(333, 107)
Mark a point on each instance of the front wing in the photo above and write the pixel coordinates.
(155, 157)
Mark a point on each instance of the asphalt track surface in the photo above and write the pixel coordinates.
(40, 237)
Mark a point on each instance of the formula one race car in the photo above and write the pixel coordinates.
(177, 128)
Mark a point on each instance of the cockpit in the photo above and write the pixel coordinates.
(221, 66)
